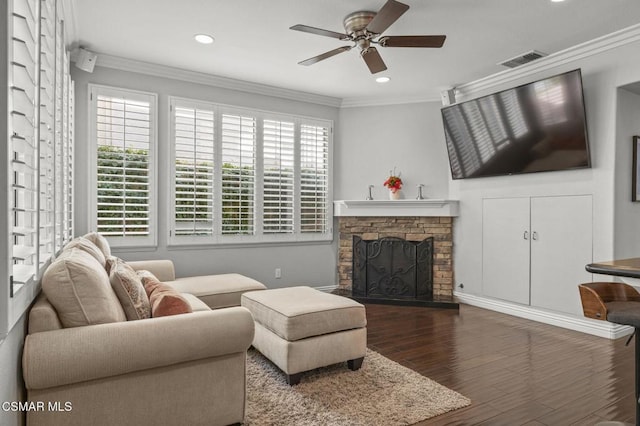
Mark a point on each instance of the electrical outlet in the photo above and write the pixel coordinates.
(278, 273)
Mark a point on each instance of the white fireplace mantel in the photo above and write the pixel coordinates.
(427, 207)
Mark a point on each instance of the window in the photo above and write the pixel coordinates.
(193, 171)
(238, 145)
(24, 142)
(123, 139)
(242, 176)
(39, 167)
(314, 178)
(278, 146)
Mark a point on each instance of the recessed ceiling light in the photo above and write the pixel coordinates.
(203, 38)
(556, 1)
(382, 79)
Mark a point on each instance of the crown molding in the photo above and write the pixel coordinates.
(355, 102)
(584, 50)
(464, 91)
(70, 21)
(131, 65)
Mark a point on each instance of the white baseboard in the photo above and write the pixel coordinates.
(326, 288)
(584, 325)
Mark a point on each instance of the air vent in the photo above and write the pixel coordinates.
(523, 59)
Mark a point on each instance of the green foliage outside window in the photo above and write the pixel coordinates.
(123, 191)
(123, 196)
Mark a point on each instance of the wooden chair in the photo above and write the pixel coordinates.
(618, 303)
(596, 296)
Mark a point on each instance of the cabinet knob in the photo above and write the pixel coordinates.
(534, 235)
(525, 235)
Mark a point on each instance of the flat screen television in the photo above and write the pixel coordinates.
(535, 127)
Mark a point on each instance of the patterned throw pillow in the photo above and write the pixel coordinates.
(164, 299)
(128, 287)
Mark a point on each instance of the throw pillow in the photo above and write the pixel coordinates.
(129, 289)
(78, 287)
(100, 242)
(164, 299)
(87, 246)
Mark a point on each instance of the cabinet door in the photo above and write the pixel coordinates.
(505, 249)
(561, 246)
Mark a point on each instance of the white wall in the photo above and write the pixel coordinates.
(375, 139)
(11, 383)
(627, 213)
(602, 73)
(312, 264)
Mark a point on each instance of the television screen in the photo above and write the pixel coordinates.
(535, 127)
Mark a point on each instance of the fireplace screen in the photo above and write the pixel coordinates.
(393, 268)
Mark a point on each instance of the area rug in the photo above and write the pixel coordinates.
(382, 392)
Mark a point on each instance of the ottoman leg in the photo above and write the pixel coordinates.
(355, 364)
(294, 379)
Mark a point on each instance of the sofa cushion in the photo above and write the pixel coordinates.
(128, 287)
(164, 299)
(86, 245)
(78, 288)
(196, 304)
(217, 291)
(100, 242)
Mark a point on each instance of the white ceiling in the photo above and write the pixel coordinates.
(254, 43)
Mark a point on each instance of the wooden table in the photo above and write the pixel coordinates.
(623, 268)
(620, 268)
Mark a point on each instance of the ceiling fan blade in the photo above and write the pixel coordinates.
(373, 60)
(412, 41)
(319, 31)
(390, 12)
(325, 55)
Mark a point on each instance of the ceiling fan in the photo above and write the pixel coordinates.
(363, 28)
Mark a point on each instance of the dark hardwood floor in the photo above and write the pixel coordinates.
(515, 371)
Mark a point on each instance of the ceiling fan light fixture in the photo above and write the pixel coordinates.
(383, 80)
(364, 28)
(203, 38)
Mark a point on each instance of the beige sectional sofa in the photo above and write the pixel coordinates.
(85, 363)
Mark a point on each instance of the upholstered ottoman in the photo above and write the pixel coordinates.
(299, 329)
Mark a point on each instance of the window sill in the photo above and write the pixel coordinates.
(246, 244)
(131, 249)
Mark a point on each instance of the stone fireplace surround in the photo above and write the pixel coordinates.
(413, 220)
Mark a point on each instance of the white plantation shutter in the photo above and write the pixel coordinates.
(47, 124)
(278, 177)
(29, 152)
(24, 143)
(194, 164)
(68, 164)
(124, 134)
(244, 176)
(238, 174)
(59, 141)
(314, 179)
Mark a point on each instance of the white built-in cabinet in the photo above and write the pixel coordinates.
(534, 250)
